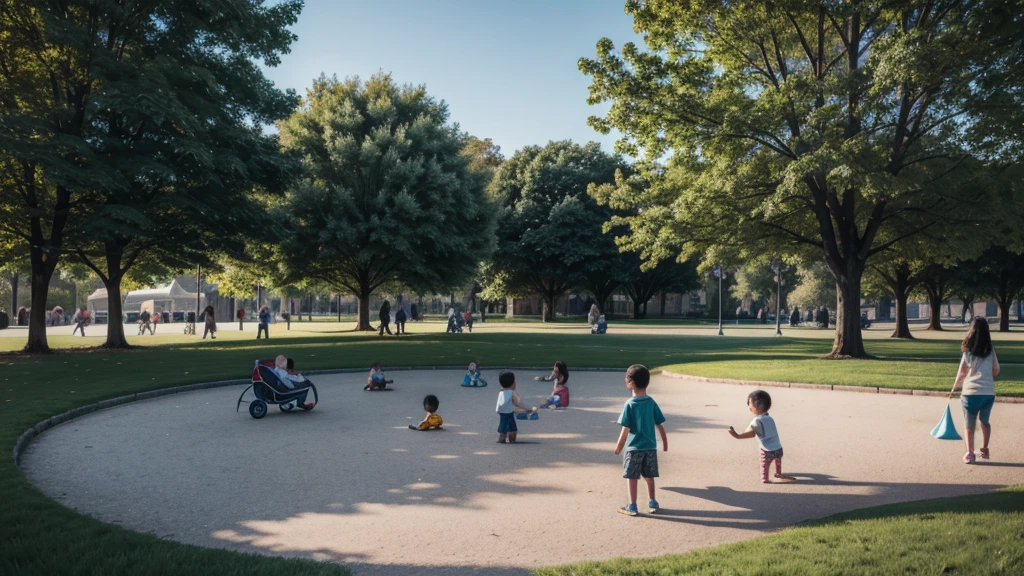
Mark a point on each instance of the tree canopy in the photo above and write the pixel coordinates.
(550, 231)
(135, 128)
(788, 126)
(386, 192)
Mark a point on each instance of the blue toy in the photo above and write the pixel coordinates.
(945, 429)
(530, 416)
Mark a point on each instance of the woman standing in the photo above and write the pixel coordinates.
(211, 323)
(978, 369)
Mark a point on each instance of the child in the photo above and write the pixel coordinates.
(640, 416)
(433, 421)
(376, 380)
(291, 379)
(763, 426)
(509, 404)
(473, 378)
(560, 393)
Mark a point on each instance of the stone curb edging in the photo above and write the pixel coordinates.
(26, 437)
(838, 387)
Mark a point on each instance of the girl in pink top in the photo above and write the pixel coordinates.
(560, 394)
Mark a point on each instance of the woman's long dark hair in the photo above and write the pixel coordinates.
(978, 342)
(563, 370)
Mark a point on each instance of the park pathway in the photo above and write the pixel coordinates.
(348, 482)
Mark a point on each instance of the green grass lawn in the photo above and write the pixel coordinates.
(42, 537)
(981, 535)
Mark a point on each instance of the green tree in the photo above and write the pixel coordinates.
(815, 288)
(669, 276)
(550, 230)
(1002, 279)
(386, 193)
(805, 123)
(147, 127)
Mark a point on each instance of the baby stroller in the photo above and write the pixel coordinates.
(268, 389)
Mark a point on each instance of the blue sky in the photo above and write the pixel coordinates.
(508, 70)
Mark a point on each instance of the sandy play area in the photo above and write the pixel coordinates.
(349, 482)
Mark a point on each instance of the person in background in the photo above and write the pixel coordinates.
(592, 318)
(264, 325)
(211, 323)
(385, 318)
(400, 319)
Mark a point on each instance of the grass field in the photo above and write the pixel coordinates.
(41, 536)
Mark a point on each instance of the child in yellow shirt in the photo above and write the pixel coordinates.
(433, 421)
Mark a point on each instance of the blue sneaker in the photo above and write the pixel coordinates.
(629, 510)
(652, 506)
(521, 416)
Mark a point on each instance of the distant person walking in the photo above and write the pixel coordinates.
(211, 323)
(414, 312)
(794, 317)
(979, 367)
(144, 325)
(264, 325)
(385, 318)
(400, 319)
(81, 320)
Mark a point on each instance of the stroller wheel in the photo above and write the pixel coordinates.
(258, 409)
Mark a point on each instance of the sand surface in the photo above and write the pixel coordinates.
(348, 482)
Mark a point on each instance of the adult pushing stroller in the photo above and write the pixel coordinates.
(268, 388)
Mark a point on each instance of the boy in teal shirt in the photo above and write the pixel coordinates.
(640, 416)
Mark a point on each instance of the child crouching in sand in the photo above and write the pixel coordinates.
(763, 427)
(509, 404)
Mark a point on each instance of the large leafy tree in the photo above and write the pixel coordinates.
(144, 119)
(550, 230)
(386, 193)
(809, 123)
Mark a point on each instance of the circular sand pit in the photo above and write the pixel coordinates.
(350, 483)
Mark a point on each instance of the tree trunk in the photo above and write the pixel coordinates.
(849, 342)
(363, 319)
(1004, 314)
(934, 310)
(37, 342)
(14, 298)
(637, 314)
(548, 311)
(662, 312)
(42, 272)
(902, 325)
(115, 325)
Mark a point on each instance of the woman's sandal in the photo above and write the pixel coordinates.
(984, 454)
(969, 458)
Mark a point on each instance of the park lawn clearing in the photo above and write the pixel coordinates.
(41, 536)
(967, 535)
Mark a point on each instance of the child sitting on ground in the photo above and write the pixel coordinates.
(376, 380)
(763, 426)
(560, 394)
(433, 421)
(509, 404)
(473, 377)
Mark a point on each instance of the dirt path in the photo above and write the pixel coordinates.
(348, 482)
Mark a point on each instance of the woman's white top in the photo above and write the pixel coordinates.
(979, 380)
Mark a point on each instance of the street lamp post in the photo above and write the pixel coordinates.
(719, 273)
(777, 267)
